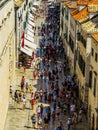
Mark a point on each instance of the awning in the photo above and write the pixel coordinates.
(22, 35)
(32, 20)
(31, 30)
(28, 32)
(36, 3)
(31, 16)
(29, 38)
(33, 8)
(26, 51)
(29, 26)
(50, 0)
(31, 23)
(30, 44)
(32, 12)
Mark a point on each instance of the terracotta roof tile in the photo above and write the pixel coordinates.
(82, 15)
(94, 2)
(95, 36)
(93, 6)
(73, 5)
(83, 2)
(75, 11)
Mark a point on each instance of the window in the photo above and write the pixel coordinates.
(26, 2)
(84, 43)
(71, 44)
(94, 87)
(81, 63)
(62, 11)
(24, 7)
(62, 24)
(66, 15)
(92, 52)
(96, 57)
(78, 36)
(90, 79)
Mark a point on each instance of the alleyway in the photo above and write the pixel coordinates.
(51, 84)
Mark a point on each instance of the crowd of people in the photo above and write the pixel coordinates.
(57, 89)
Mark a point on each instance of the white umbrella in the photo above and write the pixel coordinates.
(52, 7)
(36, 3)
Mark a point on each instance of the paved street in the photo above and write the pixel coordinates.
(19, 119)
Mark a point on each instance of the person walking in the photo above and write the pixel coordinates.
(33, 119)
(24, 103)
(53, 116)
(27, 86)
(46, 122)
(39, 111)
(54, 105)
(69, 123)
(30, 88)
(59, 126)
(39, 123)
(24, 67)
(11, 91)
(22, 83)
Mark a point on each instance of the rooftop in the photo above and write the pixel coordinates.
(75, 11)
(81, 16)
(95, 36)
(72, 4)
(91, 26)
(93, 2)
(93, 6)
(83, 2)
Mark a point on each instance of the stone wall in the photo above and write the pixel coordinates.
(7, 57)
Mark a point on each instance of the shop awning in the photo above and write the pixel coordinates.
(32, 20)
(33, 8)
(28, 32)
(29, 38)
(36, 3)
(26, 51)
(22, 35)
(28, 26)
(30, 15)
(30, 44)
(31, 23)
(31, 30)
(50, 1)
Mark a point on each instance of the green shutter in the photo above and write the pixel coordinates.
(24, 25)
(26, 17)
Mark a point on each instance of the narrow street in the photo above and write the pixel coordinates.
(52, 81)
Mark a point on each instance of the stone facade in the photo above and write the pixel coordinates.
(21, 17)
(7, 55)
(93, 89)
(81, 65)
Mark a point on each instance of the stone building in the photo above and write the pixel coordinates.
(93, 83)
(24, 31)
(7, 55)
(68, 30)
